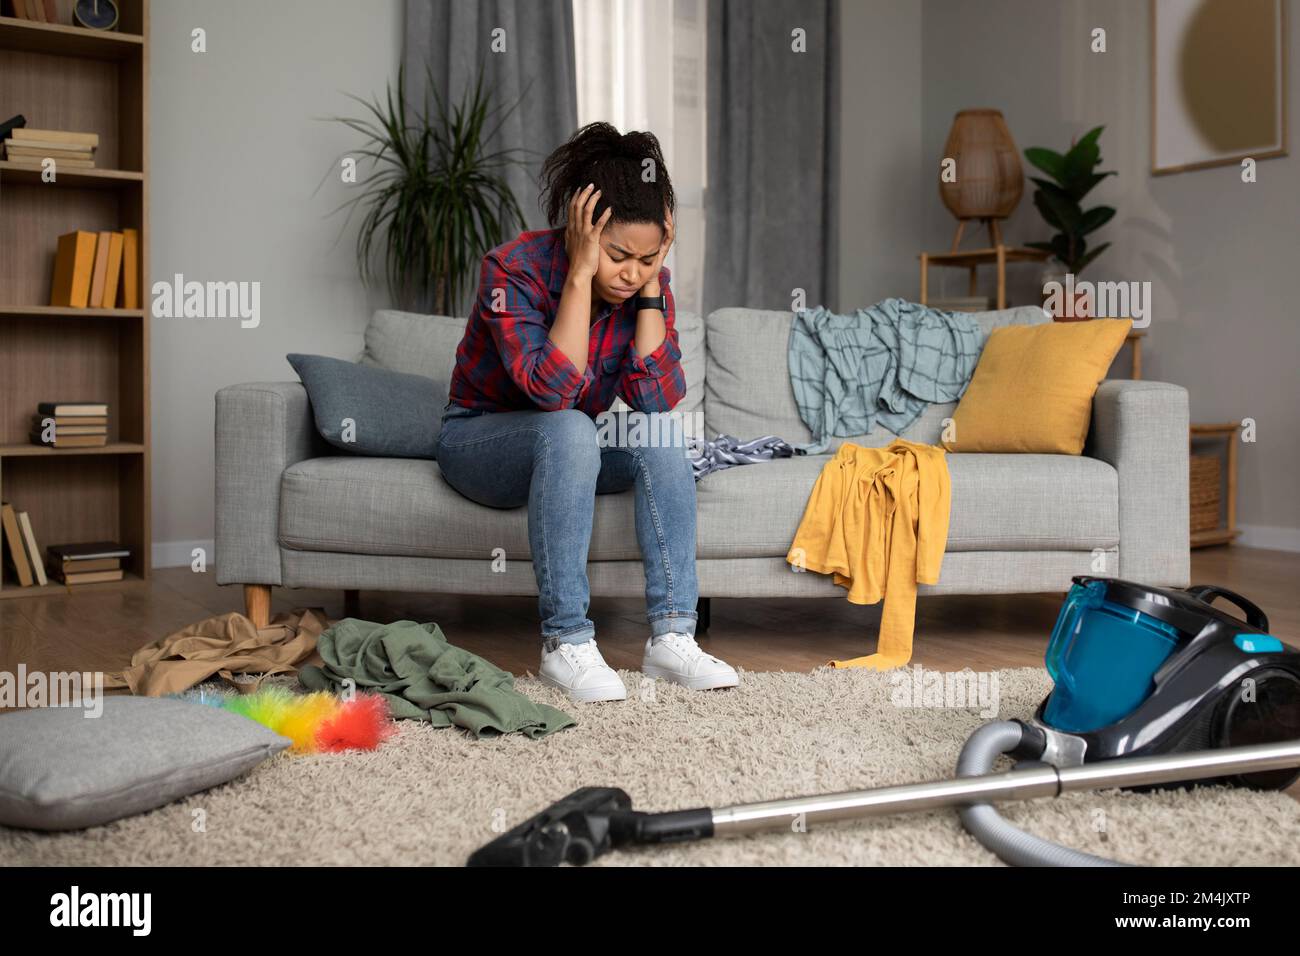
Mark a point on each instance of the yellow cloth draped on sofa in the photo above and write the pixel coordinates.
(877, 520)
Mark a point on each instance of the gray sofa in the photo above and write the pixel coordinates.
(293, 511)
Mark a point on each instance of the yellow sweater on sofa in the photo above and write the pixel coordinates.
(877, 520)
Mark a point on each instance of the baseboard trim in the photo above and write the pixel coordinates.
(180, 554)
(1269, 536)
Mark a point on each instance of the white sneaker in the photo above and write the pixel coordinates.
(676, 657)
(580, 671)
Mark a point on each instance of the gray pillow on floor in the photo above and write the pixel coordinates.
(394, 414)
(62, 770)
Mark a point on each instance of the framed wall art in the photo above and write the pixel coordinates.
(1218, 82)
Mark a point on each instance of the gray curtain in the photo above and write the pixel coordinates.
(773, 151)
(454, 37)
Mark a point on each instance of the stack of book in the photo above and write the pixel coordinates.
(97, 270)
(24, 553)
(70, 424)
(73, 150)
(87, 563)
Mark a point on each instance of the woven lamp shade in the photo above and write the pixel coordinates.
(989, 177)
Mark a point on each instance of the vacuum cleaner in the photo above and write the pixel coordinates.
(1152, 687)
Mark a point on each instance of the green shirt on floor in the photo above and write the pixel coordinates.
(425, 678)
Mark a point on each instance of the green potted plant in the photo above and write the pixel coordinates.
(1059, 200)
(436, 201)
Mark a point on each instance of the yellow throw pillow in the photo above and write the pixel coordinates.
(1033, 386)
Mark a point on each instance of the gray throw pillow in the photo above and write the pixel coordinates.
(63, 770)
(393, 414)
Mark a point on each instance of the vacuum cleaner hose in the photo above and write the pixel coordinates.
(985, 824)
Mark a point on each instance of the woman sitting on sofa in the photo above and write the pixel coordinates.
(565, 319)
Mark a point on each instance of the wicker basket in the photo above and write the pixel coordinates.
(1205, 492)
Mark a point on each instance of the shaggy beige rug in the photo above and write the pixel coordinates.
(432, 796)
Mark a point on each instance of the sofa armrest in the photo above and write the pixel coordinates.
(261, 429)
(1141, 429)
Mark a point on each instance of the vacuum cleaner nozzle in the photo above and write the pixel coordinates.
(584, 825)
(573, 830)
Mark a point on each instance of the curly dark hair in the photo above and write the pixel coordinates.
(616, 162)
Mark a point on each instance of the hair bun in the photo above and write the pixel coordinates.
(601, 134)
(598, 153)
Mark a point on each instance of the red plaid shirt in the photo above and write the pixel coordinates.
(505, 360)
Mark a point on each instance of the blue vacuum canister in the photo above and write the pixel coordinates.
(1141, 670)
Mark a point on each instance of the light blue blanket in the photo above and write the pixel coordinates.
(881, 365)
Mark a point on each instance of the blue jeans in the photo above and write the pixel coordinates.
(554, 462)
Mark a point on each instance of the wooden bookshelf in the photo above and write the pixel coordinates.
(62, 76)
(67, 39)
(61, 311)
(16, 173)
(111, 448)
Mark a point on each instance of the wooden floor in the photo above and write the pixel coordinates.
(98, 630)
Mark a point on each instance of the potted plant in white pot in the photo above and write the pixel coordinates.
(1058, 199)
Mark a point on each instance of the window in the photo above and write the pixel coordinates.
(640, 65)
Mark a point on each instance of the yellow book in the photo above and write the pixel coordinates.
(114, 270)
(54, 136)
(40, 144)
(33, 551)
(91, 577)
(17, 550)
(64, 164)
(130, 268)
(101, 270)
(35, 155)
(73, 268)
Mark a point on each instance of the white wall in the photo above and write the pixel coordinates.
(1222, 255)
(236, 154)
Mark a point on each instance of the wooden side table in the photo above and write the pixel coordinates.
(1228, 476)
(972, 259)
(1134, 340)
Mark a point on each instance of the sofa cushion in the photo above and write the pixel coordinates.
(399, 506)
(426, 345)
(404, 507)
(414, 343)
(690, 338)
(391, 413)
(747, 378)
(999, 502)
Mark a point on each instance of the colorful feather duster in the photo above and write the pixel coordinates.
(316, 723)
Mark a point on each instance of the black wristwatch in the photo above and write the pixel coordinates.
(659, 302)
